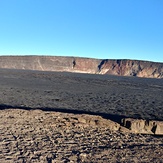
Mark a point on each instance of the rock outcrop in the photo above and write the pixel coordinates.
(84, 65)
(143, 126)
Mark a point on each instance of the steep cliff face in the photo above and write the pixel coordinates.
(132, 68)
(84, 65)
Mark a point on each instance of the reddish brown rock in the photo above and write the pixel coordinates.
(84, 65)
(133, 68)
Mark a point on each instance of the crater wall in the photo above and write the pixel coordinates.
(84, 65)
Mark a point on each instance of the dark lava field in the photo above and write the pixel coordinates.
(112, 97)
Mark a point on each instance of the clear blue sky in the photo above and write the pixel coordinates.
(123, 29)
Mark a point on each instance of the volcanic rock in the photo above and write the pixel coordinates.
(84, 65)
(143, 126)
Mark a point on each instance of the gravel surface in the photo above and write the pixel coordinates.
(115, 96)
(40, 136)
(70, 117)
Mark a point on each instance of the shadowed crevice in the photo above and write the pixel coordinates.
(101, 64)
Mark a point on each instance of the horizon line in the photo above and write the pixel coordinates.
(52, 55)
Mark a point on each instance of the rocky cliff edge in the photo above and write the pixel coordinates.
(84, 65)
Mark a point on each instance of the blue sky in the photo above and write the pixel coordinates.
(111, 29)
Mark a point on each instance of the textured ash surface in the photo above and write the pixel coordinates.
(112, 95)
(49, 136)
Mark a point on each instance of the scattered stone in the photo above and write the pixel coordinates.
(100, 140)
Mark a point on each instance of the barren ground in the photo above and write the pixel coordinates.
(51, 117)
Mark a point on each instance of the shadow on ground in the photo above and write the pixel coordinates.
(113, 117)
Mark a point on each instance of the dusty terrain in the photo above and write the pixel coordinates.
(70, 117)
(39, 136)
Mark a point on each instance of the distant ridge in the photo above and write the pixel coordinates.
(121, 67)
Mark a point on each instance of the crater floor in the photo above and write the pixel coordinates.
(70, 117)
